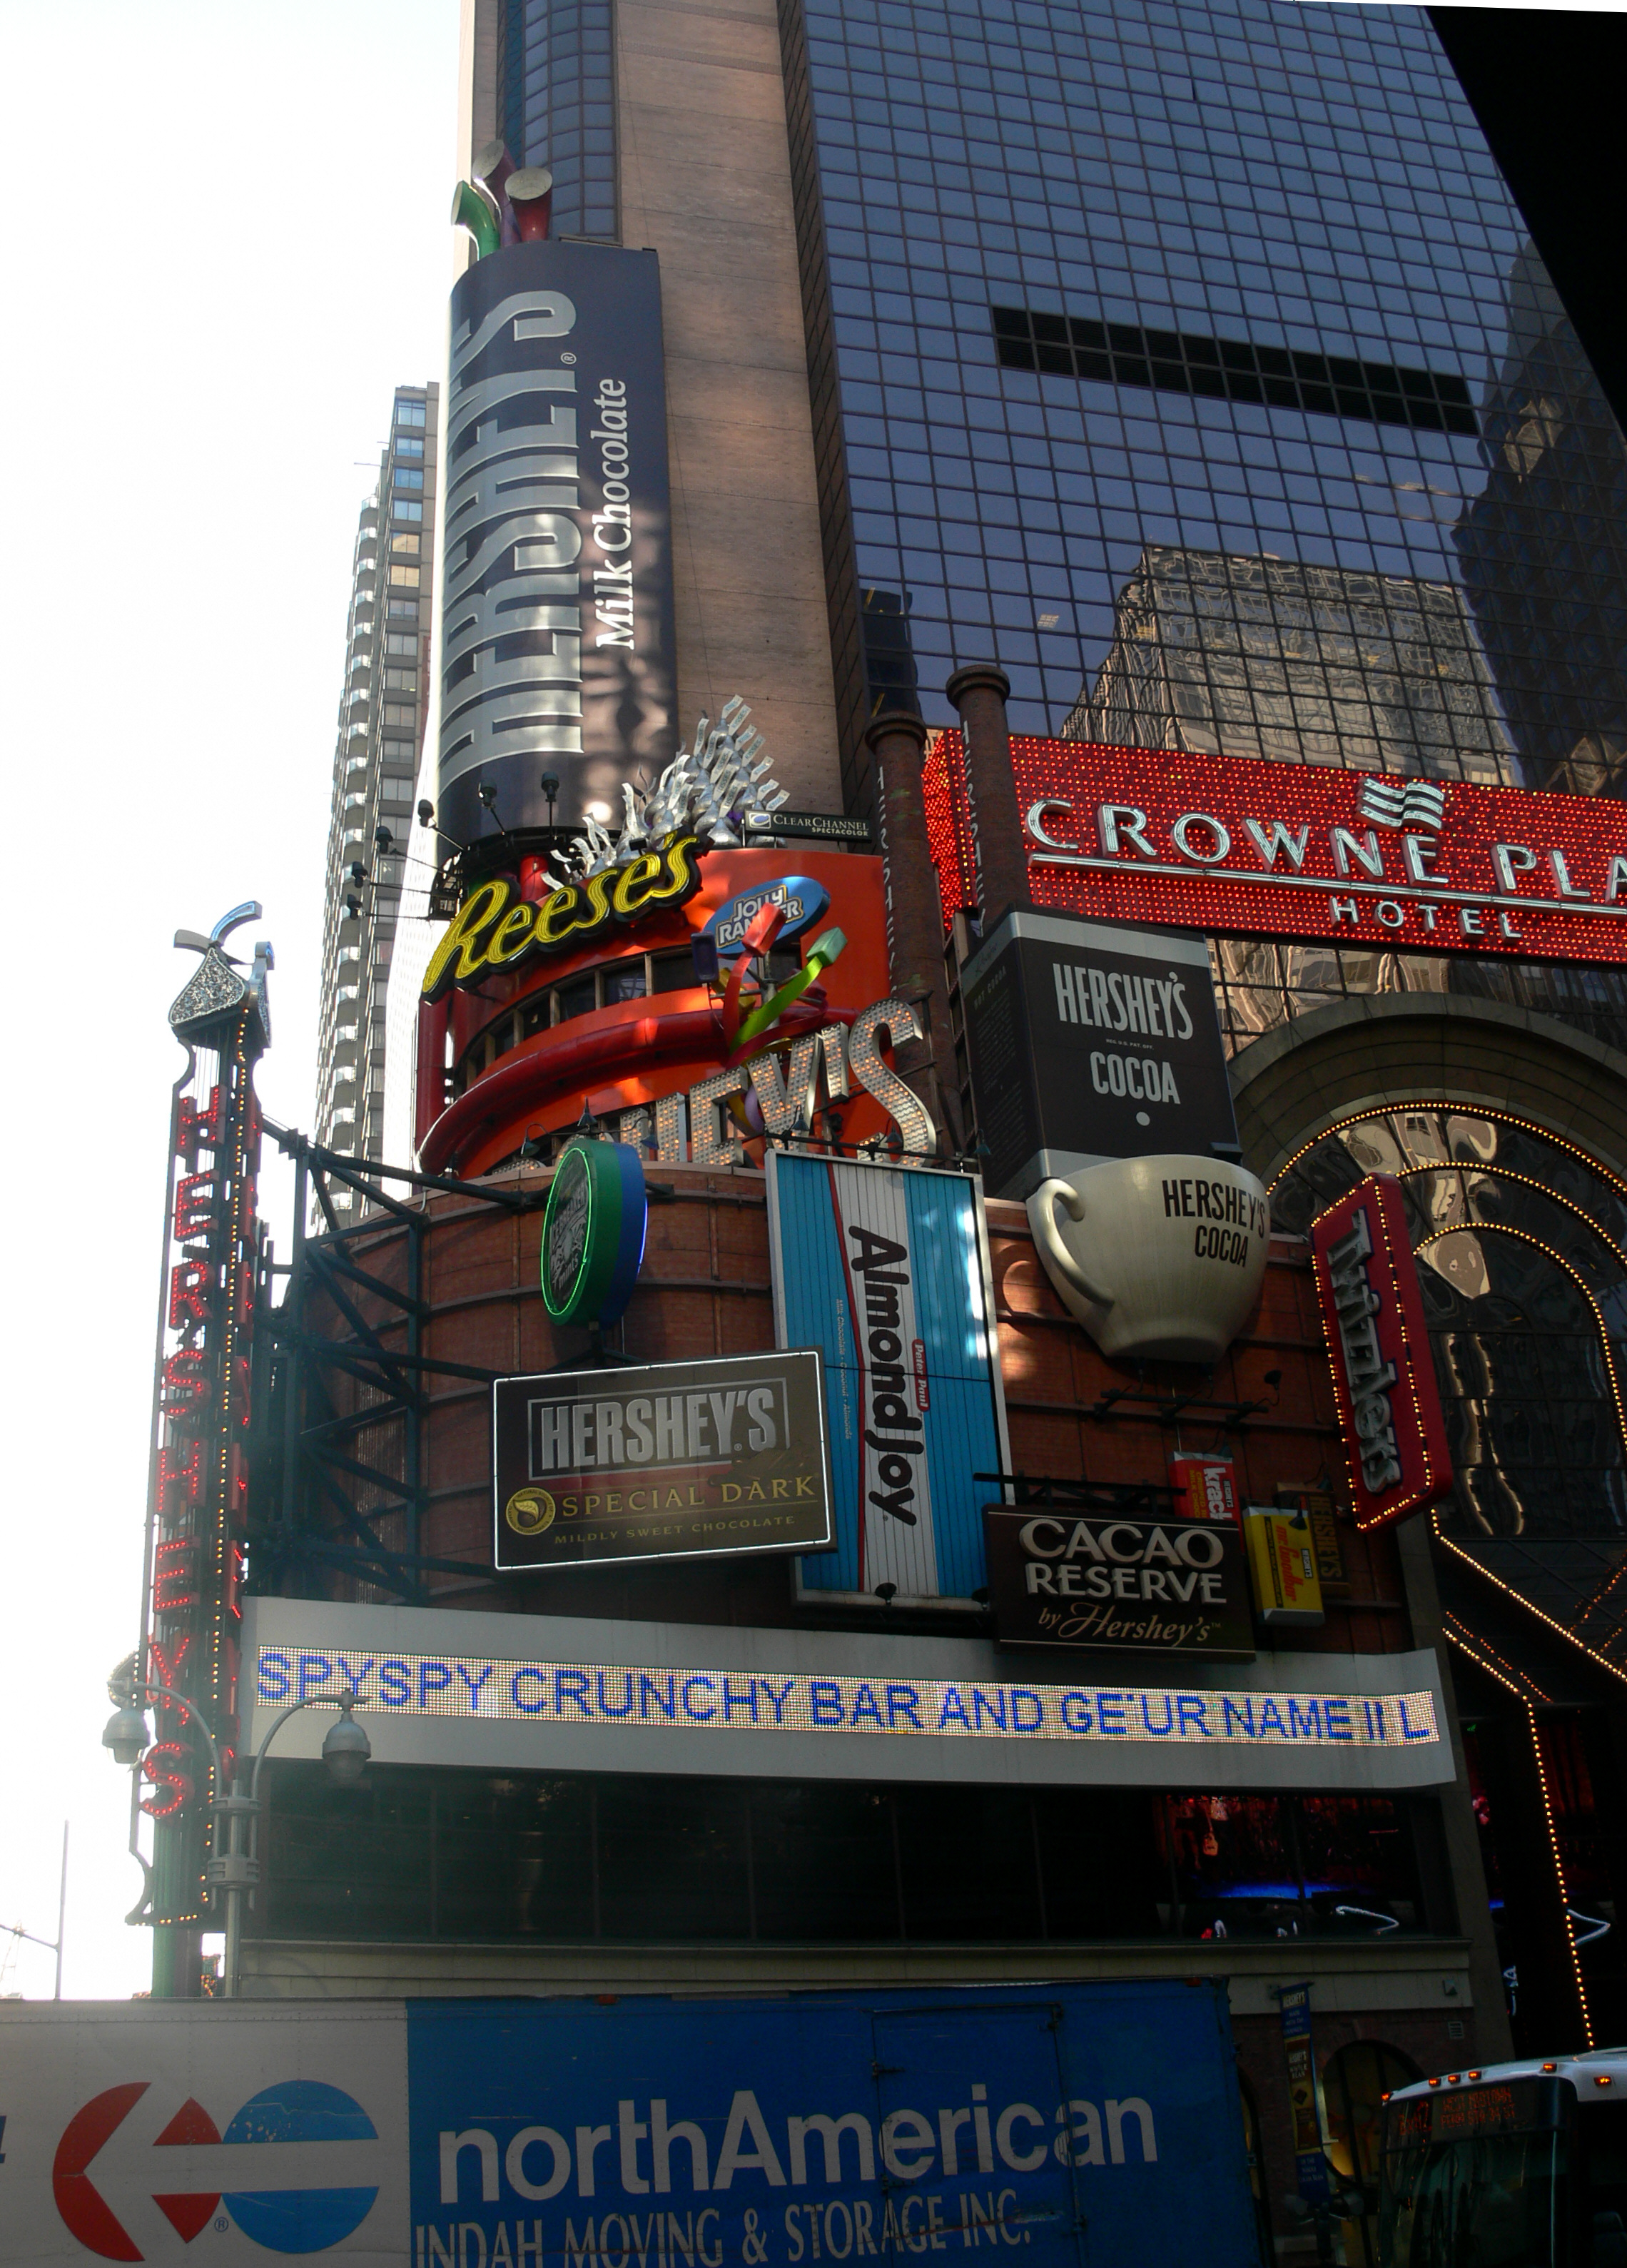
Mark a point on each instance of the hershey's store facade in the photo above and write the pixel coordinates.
(1095, 343)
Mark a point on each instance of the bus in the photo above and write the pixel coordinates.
(1520, 2165)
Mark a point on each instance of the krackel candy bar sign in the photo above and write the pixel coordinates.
(579, 1694)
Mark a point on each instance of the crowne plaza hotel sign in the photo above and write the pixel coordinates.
(1239, 847)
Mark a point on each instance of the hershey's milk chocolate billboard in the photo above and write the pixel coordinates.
(557, 642)
(1090, 1043)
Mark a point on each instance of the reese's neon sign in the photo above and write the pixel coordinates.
(496, 929)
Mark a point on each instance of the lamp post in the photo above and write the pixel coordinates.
(234, 1871)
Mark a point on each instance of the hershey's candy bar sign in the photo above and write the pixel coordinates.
(660, 1461)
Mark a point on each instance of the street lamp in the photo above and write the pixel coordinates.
(233, 1871)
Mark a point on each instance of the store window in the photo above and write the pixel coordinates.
(579, 999)
(673, 972)
(625, 980)
(648, 1858)
(1283, 1866)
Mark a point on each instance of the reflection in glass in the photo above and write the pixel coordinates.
(1524, 1277)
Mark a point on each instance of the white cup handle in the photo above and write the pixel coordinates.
(1043, 1215)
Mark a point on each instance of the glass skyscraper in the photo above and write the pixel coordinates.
(1206, 337)
(380, 742)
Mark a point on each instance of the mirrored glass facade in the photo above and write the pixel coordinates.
(556, 104)
(1182, 191)
(1193, 362)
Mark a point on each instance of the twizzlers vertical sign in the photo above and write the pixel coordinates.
(1378, 1341)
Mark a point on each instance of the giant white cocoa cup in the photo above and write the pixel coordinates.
(1158, 1256)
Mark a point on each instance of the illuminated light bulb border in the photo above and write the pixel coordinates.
(1467, 1645)
(211, 1524)
(1435, 1102)
(1526, 1181)
(1480, 1651)
(1520, 1600)
(1558, 1862)
(1524, 1236)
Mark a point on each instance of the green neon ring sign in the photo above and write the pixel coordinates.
(593, 1232)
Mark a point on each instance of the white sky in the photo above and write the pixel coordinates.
(224, 244)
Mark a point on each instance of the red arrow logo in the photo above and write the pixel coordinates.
(81, 2204)
(186, 2211)
(79, 2200)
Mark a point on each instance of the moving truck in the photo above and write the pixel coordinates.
(1071, 2124)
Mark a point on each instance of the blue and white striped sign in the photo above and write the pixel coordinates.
(885, 1269)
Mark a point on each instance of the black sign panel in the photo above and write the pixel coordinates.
(662, 1461)
(1089, 1042)
(1170, 1586)
(556, 597)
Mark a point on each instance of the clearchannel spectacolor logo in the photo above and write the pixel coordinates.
(283, 2220)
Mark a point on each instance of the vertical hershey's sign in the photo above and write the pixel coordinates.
(557, 644)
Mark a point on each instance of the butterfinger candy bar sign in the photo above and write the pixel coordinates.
(664, 1461)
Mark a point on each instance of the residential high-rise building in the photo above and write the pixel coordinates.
(381, 719)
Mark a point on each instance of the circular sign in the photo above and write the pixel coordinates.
(593, 1232)
(800, 898)
(529, 1510)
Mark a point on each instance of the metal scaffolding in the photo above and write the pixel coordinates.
(310, 1513)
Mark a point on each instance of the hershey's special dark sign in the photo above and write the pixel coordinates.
(1098, 1580)
(556, 599)
(662, 1461)
(1089, 1042)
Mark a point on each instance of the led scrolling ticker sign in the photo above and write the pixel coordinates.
(1242, 846)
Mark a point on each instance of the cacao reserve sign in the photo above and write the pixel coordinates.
(1377, 1343)
(662, 1461)
(496, 929)
(1064, 1578)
